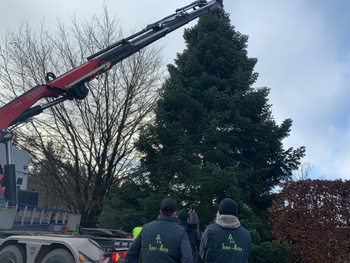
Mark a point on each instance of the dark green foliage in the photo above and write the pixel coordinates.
(137, 197)
(128, 203)
(270, 252)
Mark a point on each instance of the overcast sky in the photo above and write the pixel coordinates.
(303, 52)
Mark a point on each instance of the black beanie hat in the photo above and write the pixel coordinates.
(168, 205)
(228, 207)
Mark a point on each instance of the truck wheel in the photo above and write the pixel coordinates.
(58, 255)
(12, 254)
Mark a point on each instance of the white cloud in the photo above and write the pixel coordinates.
(297, 47)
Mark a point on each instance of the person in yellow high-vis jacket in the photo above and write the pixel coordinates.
(137, 230)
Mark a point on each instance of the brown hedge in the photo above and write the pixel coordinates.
(313, 217)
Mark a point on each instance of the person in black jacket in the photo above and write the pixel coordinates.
(225, 241)
(190, 230)
(162, 240)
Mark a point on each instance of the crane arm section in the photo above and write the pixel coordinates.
(71, 84)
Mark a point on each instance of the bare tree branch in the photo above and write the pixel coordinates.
(303, 173)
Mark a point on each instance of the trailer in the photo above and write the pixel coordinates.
(29, 233)
(49, 249)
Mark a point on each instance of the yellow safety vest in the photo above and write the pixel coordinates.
(136, 231)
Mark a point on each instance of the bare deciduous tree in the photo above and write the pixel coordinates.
(80, 149)
(303, 173)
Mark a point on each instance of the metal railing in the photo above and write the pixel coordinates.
(31, 215)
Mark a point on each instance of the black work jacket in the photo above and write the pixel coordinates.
(192, 237)
(225, 245)
(161, 241)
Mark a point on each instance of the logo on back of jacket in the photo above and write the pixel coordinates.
(230, 244)
(158, 245)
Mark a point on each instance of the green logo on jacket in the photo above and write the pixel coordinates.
(158, 246)
(231, 245)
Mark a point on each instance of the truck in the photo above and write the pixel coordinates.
(36, 234)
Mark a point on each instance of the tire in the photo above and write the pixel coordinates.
(58, 255)
(12, 254)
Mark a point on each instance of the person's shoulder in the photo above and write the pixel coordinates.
(244, 231)
(150, 224)
(179, 228)
(211, 228)
(183, 224)
(212, 225)
(243, 228)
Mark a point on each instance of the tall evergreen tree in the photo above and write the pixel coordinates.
(214, 135)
